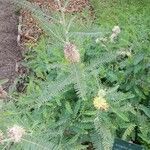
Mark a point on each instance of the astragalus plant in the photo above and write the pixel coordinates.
(67, 103)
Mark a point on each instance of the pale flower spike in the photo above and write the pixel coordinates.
(71, 53)
(16, 133)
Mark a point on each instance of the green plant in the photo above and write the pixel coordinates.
(132, 74)
(73, 97)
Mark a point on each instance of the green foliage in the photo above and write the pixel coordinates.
(132, 73)
(56, 108)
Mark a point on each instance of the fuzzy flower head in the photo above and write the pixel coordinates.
(16, 133)
(71, 53)
(100, 103)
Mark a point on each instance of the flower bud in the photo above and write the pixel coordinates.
(115, 32)
(116, 29)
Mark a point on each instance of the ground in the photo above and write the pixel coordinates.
(10, 53)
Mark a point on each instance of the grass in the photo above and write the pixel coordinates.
(115, 12)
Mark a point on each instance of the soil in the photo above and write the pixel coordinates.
(10, 53)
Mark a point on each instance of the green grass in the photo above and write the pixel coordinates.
(121, 12)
